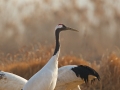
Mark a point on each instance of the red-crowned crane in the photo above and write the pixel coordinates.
(46, 78)
(9, 81)
(71, 76)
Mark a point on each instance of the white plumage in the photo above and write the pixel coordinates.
(46, 78)
(67, 79)
(9, 81)
(71, 76)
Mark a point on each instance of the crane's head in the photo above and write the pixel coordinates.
(62, 27)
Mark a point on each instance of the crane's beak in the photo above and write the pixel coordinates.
(67, 28)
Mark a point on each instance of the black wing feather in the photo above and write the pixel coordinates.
(83, 72)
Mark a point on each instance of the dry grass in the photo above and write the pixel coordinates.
(110, 73)
(108, 68)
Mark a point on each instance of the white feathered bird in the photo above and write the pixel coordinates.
(9, 81)
(71, 76)
(46, 78)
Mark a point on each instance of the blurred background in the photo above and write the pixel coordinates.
(26, 22)
(27, 37)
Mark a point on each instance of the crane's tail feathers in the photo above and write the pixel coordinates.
(84, 72)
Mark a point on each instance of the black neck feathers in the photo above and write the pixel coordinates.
(57, 41)
(83, 72)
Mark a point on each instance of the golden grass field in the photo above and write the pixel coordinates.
(27, 37)
(26, 62)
